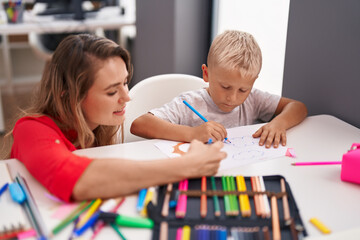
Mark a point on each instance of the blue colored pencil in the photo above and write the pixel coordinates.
(197, 113)
(141, 199)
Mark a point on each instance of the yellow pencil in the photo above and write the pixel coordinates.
(89, 213)
(186, 233)
(148, 198)
(243, 198)
(319, 225)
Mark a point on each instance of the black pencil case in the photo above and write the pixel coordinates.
(293, 229)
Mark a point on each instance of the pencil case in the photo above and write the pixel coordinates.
(350, 166)
(253, 224)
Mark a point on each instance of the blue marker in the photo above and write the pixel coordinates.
(201, 116)
(16, 192)
(141, 199)
(3, 188)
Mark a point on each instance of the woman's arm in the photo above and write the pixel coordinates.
(105, 178)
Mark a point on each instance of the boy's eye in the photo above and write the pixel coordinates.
(242, 90)
(111, 93)
(225, 87)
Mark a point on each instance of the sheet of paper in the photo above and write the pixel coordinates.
(243, 149)
(12, 216)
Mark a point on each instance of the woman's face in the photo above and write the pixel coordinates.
(106, 99)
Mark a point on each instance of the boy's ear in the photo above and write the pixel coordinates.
(205, 72)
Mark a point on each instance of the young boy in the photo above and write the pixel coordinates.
(234, 62)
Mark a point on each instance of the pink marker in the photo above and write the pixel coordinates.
(182, 202)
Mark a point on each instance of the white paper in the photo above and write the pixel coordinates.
(243, 149)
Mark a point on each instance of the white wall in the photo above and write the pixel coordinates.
(267, 21)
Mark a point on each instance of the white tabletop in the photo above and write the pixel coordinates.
(318, 190)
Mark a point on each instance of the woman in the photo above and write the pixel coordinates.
(81, 103)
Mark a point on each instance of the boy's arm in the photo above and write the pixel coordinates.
(288, 113)
(150, 126)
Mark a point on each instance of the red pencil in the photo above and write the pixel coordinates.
(203, 201)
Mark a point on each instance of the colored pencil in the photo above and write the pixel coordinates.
(243, 198)
(266, 233)
(141, 199)
(261, 199)
(315, 163)
(293, 230)
(72, 216)
(235, 202)
(148, 198)
(179, 233)
(113, 225)
(275, 219)
(3, 188)
(101, 224)
(89, 213)
(217, 212)
(181, 206)
(256, 196)
(267, 213)
(203, 198)
(226, 197)
(200, 116)
(285, 202)
(164, 231)
(165, 208)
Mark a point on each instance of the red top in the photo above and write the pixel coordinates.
(47, 154)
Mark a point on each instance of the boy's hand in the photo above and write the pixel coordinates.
(271, 133)
(210, 129)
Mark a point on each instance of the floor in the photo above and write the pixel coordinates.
(13, 100)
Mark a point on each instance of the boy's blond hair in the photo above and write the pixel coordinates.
(236, 50)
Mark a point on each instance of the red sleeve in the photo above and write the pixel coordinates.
(47, 155)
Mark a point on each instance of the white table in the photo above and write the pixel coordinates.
(318, 190)
(106, 18)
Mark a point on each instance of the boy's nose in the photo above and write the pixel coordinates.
(231, 96)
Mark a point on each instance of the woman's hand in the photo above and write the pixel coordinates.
(203, 159)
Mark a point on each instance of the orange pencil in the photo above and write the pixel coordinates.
(275, 219)
(285, 202)
(256, 197)
(203, 199)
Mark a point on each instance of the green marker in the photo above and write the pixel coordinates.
(134, 222)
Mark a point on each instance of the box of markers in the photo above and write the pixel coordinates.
(234, 207)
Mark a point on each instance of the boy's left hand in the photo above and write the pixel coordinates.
(271, 133)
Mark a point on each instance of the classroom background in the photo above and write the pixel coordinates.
(310, 48)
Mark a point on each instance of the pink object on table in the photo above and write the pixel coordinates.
(350, 167)
(290, 152)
